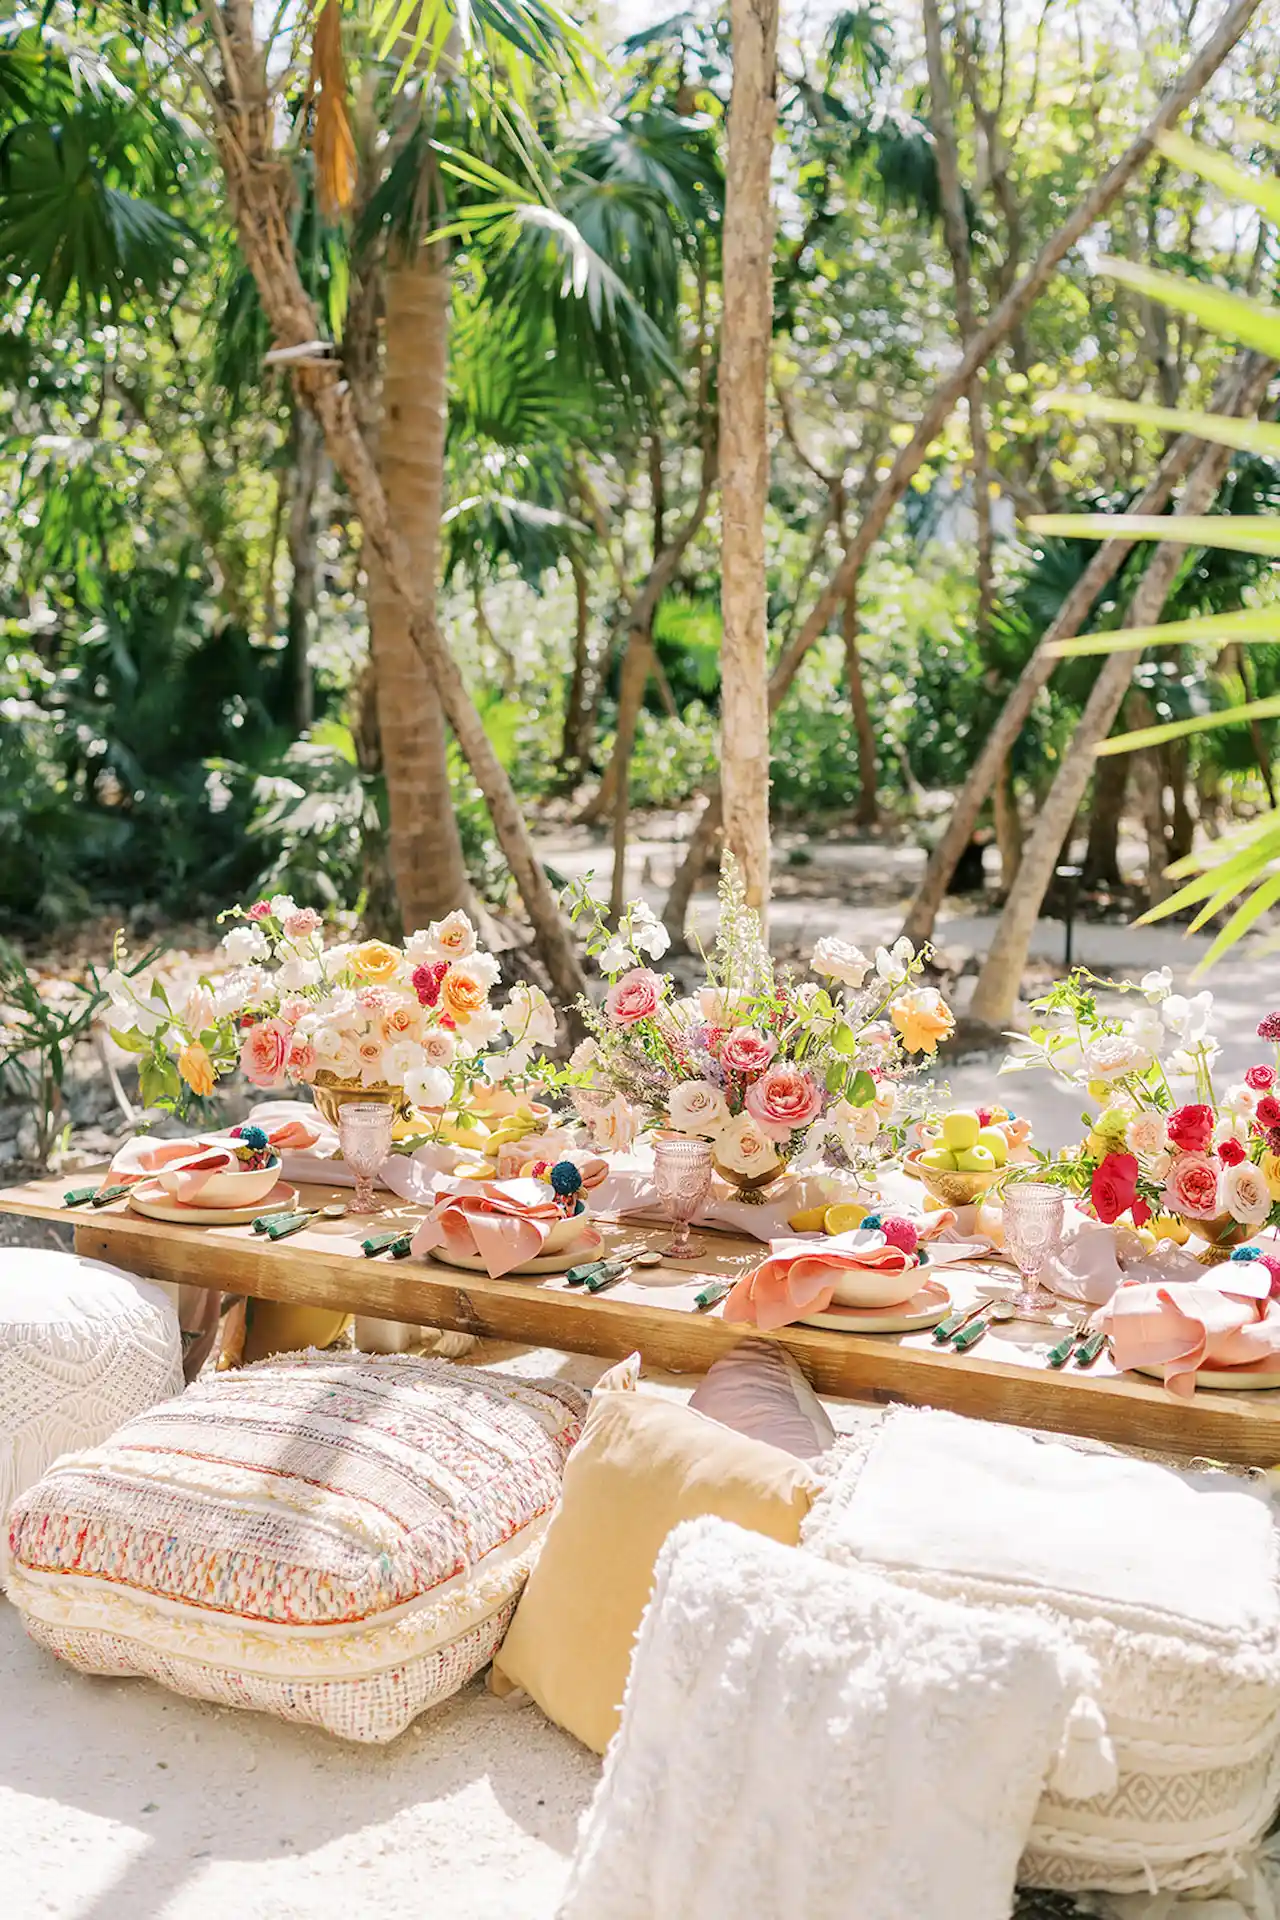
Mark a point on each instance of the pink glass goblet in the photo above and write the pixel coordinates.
(1033, 1217)
(364, 1134)
(682, 1171)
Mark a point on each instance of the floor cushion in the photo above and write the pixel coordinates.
(83, 1347)
(758, 1388)
(643, 1465)
(336, 1538)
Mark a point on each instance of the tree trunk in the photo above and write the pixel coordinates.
(304, 561)
(259, 189)
(1000, 324)
(636, 663)
(1035, 676)
(702, 844)
(868, 811)
(745, 335)
(575, 748)
(426, 847)
(1008, 828)
(996, 994)
(1102, 855)
(1182, 827)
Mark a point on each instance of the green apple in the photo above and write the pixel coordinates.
(976, 1160)
(992, 1138)
(960, 1131)
(941, 1159)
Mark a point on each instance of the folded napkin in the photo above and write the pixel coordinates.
(1192, 1325)
(800, 1275)
(506, 1222)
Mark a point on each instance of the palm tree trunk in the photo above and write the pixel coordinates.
(426, 848)
(576, 743)
(996, 994)
(868, 811)
(259, 191)
(304, 560)
(1182, 826)
(1102, 855)
(745, 333)
(1008, 828)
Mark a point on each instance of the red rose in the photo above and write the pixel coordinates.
(1141, 1213)
(426, 981)
(1268, 1111)
(1190, 1129)
(1261, 1079)
(1231, 1153)
(1114, 1187)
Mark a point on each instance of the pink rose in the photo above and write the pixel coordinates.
(305, 921)
(302, 1059)
(1192, 1186)
(746, 1050)
(260, 910)
(264, 1053)
(783, 1099)
(291, 1011)
(634, 997)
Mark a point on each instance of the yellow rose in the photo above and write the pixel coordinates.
(922, 1017)
(196, 1068)
(375, 960)
(1271, 1173)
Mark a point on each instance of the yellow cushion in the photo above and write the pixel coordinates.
(642, 1465)
(275, 1327)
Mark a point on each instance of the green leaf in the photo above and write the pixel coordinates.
(131, 1042)
(1265, 709)
(1249, 627)
(158, 1082)
(1254, 188)
(1232, 315)
(863, 1090)
(836, 1077)
(1240, 533)
(844, 1040)
(1250, 436)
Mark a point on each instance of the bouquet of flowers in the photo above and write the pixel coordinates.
(414, 1020)
(755, 1062)
(1163, 1147)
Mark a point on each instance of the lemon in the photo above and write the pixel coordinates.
(1167, 1226)
(809, 1219)
(850, 1213)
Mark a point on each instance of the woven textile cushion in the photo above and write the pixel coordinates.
(335, 1538)
(83, 1347)
(1168, 1580)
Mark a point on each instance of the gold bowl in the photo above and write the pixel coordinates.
(953, 1189)
(1223, 1234)
(332, 1094)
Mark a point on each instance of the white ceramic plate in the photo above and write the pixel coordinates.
(588, 1246)
(150, 1198)
(1255, 1378)
(924, 1309)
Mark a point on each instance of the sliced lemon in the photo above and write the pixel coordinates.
(809, 1220)
(850, 1213)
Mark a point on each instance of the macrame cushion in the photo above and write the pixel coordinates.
(336, 1538)
(83, 1347)
(1169, 1581)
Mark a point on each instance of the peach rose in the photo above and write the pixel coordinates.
(747, 1050)
(439, 1048)
(400, 1023)
(369, 1054)
(782, 1100)
(464, 990)
(743, 1148)
(264, 1053)
(1192, 1186)
(923, 1018)
(375, 960)
(634, 997)
(196, 1068)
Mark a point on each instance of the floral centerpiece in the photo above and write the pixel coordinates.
(1163, 1147)
(409, 1024)
(755, 1062)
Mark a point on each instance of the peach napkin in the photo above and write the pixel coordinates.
(194, 1161)
(505, 1221)
(799, 1276)
(1191, 1325)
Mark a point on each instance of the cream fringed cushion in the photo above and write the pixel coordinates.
(1168, 1581)
(83, 1347)
(334, 1538)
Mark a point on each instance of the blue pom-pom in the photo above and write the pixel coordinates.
(871, 1221)
(253, 1137)
(1246, 1253)
(565, 1178)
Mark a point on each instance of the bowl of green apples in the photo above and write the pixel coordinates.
(961, 1158)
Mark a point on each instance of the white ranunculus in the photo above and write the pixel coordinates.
(529, 1017)
(243, 944)
(1245, 1194)
(282, 905)
(744, 1149)
(294, 973)
(837, 960)
(698, 1107)
(400, 1059)
(428, 1086)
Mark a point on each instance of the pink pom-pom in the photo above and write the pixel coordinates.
(1271, 1262)
(900, 1232)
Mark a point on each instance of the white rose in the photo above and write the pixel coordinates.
(698, 1107)
(399, 1059)
(243, 944)
(743, 1148)
(198, 1010)
(1245, 1194)
(296, 973)
(438, 1047)
(1240, 1100)
(428, 1086)
(854, 1126)
(1146, 1133)
(529, 1017)
(454, 937)
(1112, 1056)
(837, 960)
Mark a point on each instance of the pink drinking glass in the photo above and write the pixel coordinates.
(1033, 1218)
(682, 1171)
(364, 1134)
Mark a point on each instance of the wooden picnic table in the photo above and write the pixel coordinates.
(1004, 1378)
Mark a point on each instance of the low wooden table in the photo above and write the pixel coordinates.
(1003, 1379)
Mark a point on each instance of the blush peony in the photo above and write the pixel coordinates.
(636, 996)
(265, 1052)
(746, 1050)
(1192, 1186)
(698, 1107)
(782, 1100)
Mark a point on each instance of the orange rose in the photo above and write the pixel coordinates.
(922, 1018)
(463, 991)
(375, 960)
(196, 1068)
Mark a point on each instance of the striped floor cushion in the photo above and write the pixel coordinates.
(336, 1538)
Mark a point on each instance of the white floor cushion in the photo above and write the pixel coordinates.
(336, 1538)
(83, 1347)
